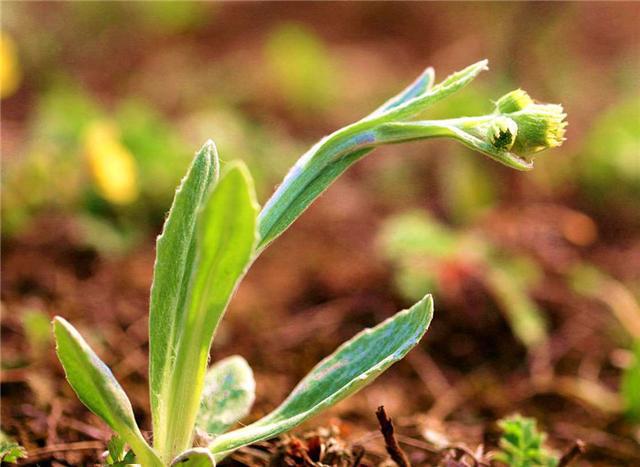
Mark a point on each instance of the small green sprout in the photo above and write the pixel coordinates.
(117, 455)
(213, 233)
(10, 451)
(522, 445)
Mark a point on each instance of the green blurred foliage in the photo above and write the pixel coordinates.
(424, 251)
(160, 152)
(302, 68)
(630, 385)
(37, 329)
(468, 187)
(55, 162)
(171, 17)
(609, 162)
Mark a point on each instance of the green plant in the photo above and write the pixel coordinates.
(213, 233)
(522, 445)
(10, 451)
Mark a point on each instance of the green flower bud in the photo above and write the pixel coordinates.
(513, 102)
(502, 133)
(540, 127)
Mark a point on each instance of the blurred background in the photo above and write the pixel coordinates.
(536, 275)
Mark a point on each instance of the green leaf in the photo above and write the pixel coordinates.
(229, 392)
(10, 451)
(115, 449)
(525, 318)
(332, 155)
(351, 367)
(630, 386)
(196, 457)
(522, 445)
(422, 84)
(226, 236)
(117, 454)
(452, 83)
(307, 179)
(97, 388)
(175, 257)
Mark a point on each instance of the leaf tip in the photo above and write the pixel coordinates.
(60, 324)
(209, 147)
(482, 65)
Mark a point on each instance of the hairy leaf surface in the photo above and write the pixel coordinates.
(229, 393)
(226, 236)
(352, 366)
(175, 256)
(97, 388)
(332, 155)
(196, 457)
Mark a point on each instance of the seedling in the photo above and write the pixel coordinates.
(213, 233)
(522, 445)
(10, 451)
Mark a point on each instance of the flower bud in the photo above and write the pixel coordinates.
(513, 102)
(502, 133)
(540, 127)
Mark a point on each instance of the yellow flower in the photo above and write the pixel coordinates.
(112, 165)
(539, 126)
(10, 73)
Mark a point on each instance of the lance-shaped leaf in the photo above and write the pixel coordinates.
(226, 236)
(175, 256)
(451, 84)
(97, 388)
(352, 366)
(331, 156)
(229, 393)
(422, 84)
(196, 457)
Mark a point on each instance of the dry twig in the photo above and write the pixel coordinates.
(576, 450)
(390, 441)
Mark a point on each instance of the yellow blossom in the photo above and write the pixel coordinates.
(10, 73)
(112, 165)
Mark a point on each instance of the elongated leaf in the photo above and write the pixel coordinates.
(226, 235)
(175, 258)
(304, 183)
(331, 156)
(451, 84)
(196, 457)
(229, 392)
(422, 84)
(97, 388)
(351, 367)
